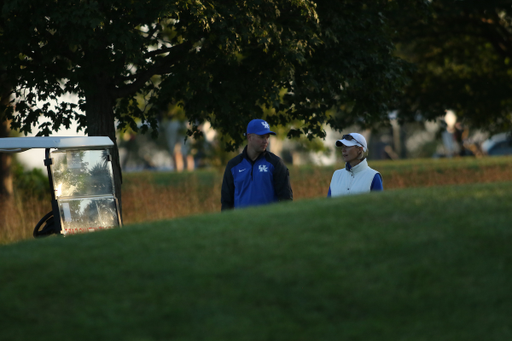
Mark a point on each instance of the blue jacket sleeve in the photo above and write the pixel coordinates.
(282, 186)
(227, 198)
(377, 183)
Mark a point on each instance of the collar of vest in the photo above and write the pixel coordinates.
(361, 166)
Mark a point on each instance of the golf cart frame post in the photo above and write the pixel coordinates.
(81, 182)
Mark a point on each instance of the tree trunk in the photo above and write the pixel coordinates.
(100, 122)
(5, 166)
(5, 158)
(6, 191)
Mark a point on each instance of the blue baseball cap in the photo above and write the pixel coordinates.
(259, 127)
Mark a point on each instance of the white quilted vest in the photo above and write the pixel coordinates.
(357, 180)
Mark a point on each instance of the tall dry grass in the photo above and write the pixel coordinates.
(313, 182)
(151, 196)
(145, 199)
(19, 215)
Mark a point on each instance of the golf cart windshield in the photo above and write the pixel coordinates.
(81, 182)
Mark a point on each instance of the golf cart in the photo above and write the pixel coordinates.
(81, 182)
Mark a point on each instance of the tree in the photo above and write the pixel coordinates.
(463, 55)
(5, 158)
(221, 60)
(354, 71)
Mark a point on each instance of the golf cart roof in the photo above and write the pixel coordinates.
(20, 144)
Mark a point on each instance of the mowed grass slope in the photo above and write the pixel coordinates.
(418, 264)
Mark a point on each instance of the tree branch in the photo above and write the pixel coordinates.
(161, 66)
(498, 36)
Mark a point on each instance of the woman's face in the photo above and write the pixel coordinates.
(351, 154)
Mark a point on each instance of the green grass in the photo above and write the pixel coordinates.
(416, 264)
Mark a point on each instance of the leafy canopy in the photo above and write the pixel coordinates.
(221, 60)
(463, 55)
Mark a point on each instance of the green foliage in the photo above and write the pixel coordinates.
(427, 264)
(353, 71)
(30, 183)
(221, 60)
(462, 53)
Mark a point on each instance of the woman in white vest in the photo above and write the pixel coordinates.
(357, 176)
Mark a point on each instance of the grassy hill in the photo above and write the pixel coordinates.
(417, 264)
(149, 196)
(152, 196)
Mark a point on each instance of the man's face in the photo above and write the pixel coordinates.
(258, 143)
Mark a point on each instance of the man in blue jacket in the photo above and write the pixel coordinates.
(256, 176)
